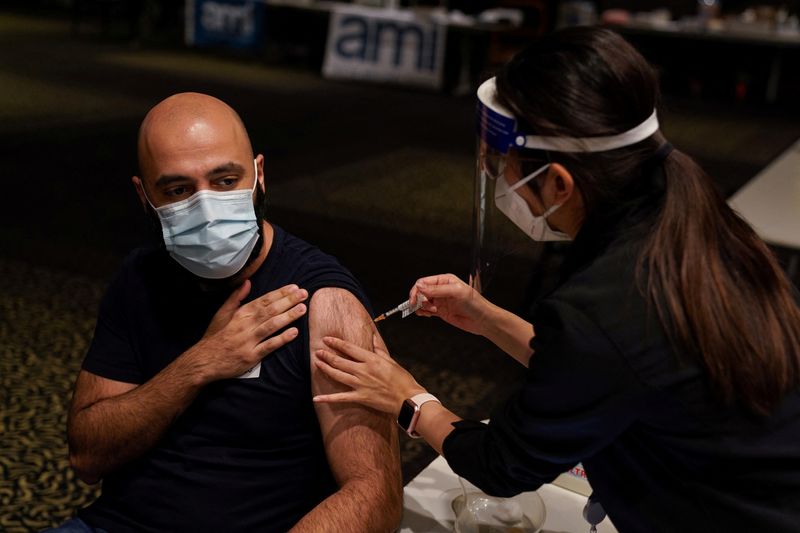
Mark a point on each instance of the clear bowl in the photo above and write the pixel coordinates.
(523, 513)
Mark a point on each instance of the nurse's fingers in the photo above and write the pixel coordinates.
(338, 397)
(432, 292)
(337, 375)
(379, 347)
(428, 310)
(427, 305)
(412, 295)
(348, 348)
(438, 279)
(337, 362)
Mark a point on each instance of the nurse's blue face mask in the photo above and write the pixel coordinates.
(213, 234)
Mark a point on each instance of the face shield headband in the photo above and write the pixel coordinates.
(498, 129)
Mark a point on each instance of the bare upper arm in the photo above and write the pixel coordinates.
(358, 441)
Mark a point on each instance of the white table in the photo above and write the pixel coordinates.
(427, 504)
(770, 203)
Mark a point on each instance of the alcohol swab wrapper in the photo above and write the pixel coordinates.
(404, 308)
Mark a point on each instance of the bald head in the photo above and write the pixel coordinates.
(186, 126)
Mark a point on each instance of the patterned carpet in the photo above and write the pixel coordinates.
(46, 320)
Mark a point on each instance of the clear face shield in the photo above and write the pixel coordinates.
(503, 254)
(502, 251)
(510, 165)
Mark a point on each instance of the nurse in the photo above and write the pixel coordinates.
(667, 360)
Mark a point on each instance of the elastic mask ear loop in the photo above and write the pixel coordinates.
(551, 210)
(144, 191)
(528, 178)
(255, 179)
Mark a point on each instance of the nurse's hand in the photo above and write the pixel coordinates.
(376, 380)
(453, 301)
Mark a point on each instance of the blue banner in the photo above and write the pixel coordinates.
(226, 23)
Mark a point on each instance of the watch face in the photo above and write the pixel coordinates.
(406, 415)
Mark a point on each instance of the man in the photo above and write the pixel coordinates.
(194, 401)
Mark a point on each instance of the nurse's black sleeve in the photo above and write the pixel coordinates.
(578, 396)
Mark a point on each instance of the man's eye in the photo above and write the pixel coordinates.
(176, 191)
(227, 182)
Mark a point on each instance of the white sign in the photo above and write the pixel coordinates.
(397, 46)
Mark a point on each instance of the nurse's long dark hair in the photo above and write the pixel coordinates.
(718, 290)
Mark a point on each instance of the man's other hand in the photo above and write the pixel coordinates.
(240, 336)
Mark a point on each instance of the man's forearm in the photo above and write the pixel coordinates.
(113, 431)
(359, 506)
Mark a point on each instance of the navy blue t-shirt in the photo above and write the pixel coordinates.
(247, 455)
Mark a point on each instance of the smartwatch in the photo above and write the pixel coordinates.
(409, 412)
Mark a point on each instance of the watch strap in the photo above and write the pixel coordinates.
(417, 401)
(423, 398)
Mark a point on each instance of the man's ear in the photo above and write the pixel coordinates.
(564, 185)
(137, 184)
(260, 167)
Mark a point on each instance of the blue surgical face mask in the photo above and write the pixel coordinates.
(211, 233)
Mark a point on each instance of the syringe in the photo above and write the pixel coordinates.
(406, 308)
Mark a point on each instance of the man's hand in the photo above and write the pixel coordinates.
(239, 336)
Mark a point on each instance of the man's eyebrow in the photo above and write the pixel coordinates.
(168, 179)
(229, 167)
